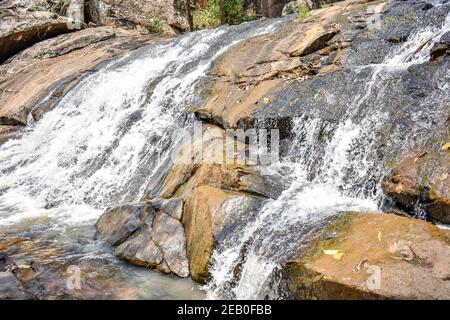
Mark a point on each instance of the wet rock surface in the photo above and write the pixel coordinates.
(421, 185)
(373, 256)
(210, 215)
(118, 223)
(11, 288)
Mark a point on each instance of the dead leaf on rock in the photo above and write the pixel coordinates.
(330, 252)
(446, 146)
(338, 256)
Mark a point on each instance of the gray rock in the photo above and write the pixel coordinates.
(140, 250)
(118, 223)
(173, 207)
(11, 288)
(168, 234)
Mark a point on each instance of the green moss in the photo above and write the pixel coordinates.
(153, 24)
(303, 12)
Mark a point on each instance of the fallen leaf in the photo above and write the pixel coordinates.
(379, 236)
(338, 256)
(266, 101)
(330, 252)
(446, 146)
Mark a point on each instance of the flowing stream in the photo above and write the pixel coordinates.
(105, 138)
(98, 147)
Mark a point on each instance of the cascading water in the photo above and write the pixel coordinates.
(341, 174)
(106, 137)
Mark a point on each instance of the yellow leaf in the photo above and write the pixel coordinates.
(446, 146)
(331, 252)
(338, 256)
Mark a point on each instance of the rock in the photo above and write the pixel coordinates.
(173, 207)
(37, 78)
(442, 48)
(293, 6)
(140, 249)
(384, 257)
(422, 181)
(209, 215)
(144, 238)
(168, 234)
(6, 133)
(11, 288)
(179, 176)
(24, 24)
(118, 223)
(75, 10)
(275, 62)
(131, 14)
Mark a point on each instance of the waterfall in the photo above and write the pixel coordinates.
(109, 134)
(338, 175)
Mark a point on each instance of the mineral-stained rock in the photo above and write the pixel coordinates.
(118, 223)
(11, 288)
(210, 214)
(140, 249)
(422, 181)
(380, 257)
(168, 234)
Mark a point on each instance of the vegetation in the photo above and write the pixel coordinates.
(154, 24)
(304, 12)
(218, 12)
(209, 17)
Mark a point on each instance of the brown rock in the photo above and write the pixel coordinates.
(209, 215)
(118, 223)
(383, 257)
(192, 168)
(260, 68)
(422, 180)
(55, 65)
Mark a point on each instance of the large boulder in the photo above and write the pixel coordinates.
(118, 223)
(210, 215)
(422, 183)
(37, 78)
(373, 256)
(168, 234)
(145, 238)
(154, 16)
(24, 23)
